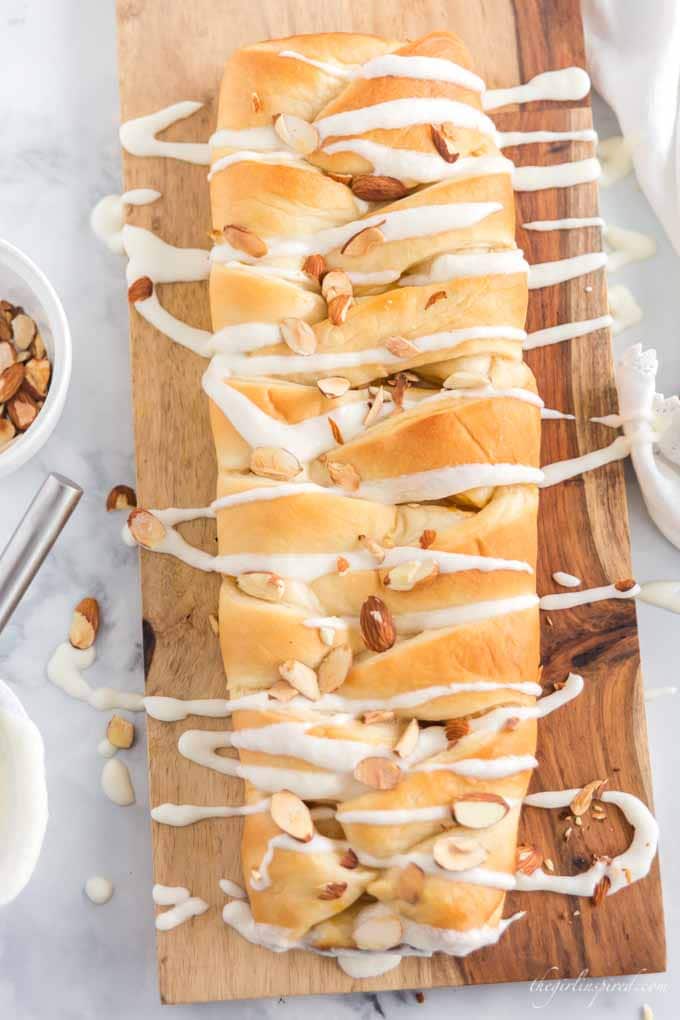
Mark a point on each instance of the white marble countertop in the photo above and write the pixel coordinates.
(60, 956)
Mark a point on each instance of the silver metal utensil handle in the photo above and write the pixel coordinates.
(33, 538)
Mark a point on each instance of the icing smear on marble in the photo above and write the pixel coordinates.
(99, 890)
(65, 670)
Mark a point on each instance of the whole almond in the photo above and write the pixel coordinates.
(378, 773)
(377, 625)
(84, 624)
(292, 815)
(444, 145)
(344, 475)
(334, 668)
(375, 188)
(23, 331)
(262, 585)
(146, 529)
(401, 347)
(22, 409)
(299, 336)
(626, 584)
(336, 283)
(244, 240)
(362, 242)
(140, 289)
(314, 266)
(274, 462)
(10, 382)
(37, 379)
(299, 134)
(338, 307)
(121, 497)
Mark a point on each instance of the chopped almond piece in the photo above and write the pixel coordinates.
(456, 729)
(528, 859)
(379, 773)
(335, 432)
(292, 815)
(333, 891)
(601, 890)
(274, 462)
(338, 307)
(140, 290)
(299, 134)
(37, 378)
(299, 336)
(349, 860)
(335, 284)
(280, 690)
(334, 668)
(344, 475)
(7, 356)
(11, 381)
(378, 715)
(373, 547)
(626, 584)
(301, 677)
(408, 741)
(84, 624)
(120, 732)
(23, 331)
(433, 298)
(584, 797)
(7, 432)
(314, 266)
(427, 538)
(375, 408)
(121, 497)
(444, 144)
(22, 409)
(376, 188)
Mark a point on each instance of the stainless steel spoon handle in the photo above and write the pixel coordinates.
(33, 538)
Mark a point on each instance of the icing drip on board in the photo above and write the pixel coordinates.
(138, 136)
(569, 83)
(565, 331)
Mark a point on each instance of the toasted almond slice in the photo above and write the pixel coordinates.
(292, 815)
(401, 347)
(584, 797)
(299, 134)
(38, 349)
(334, 668)
(465, 381)
(37, 379)
(407, 576)
(140, 289)
(340, 178)
(338, 437)
(458, 853)
(299, 336)
(146, 528)
(333, 891)
(427, 538)
(274, 462)
(7, 432)
(121, 497)
(527, 859)
(7, 355)
(456, 729)
(410, 883)
(479, 810)
(377, 625)
(375, 408)
(626, 584)
(438, 295)
(244, 240)
(363, 241)
(378, 773)
(444, 144)
(349, 860)
(23, 331)
(335, 284)
(378, 715)
(120, 732)
(377, 927)
(601, 890)
(314, 266)
(338, 307)
(262, 584)
(344, 475)
(11, 381)
(333, 386)
(280, 690)
(373, 547)
(22, 409)
(301, 677)
(84, 624)
(408, 741)
(377, 188)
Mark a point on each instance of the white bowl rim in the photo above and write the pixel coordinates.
(37, 435)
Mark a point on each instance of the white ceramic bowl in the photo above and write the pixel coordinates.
(22, 283)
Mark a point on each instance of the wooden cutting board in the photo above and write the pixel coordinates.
(170, 50)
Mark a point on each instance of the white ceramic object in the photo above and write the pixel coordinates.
(23, 283)
(23, 796)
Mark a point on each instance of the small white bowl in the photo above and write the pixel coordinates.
(22, 283)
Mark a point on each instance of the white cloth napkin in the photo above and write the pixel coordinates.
(634, 60)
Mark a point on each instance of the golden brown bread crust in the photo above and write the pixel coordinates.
(470, 663)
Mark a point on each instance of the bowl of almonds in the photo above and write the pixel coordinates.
(35, 358)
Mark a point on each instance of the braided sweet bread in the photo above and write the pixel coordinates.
(377, 436)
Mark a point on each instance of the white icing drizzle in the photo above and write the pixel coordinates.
(626, 246)
(117, 783)
(179, 815)
(624, 309)
(150, 256)
(569, 223)
(272, 158)
(107, 217)
(567, 600)
(566, 580)
(169, 919)
(550, 414)
(563, 469)
(232, 889)
(394, 65)
(106, 749)
(420, 167)
(616, 158)
(169, 895)
(259, 139)
(400, 113)
(546, 274)
(438, 483)
(450, 267)
(565, 331)
(65, 671)
(99, 890)
(664, 594)
(652, 693)
(368, 965)
(569, 83)
(138, 136)
(336, 70)
(556, 175)
(510, 138)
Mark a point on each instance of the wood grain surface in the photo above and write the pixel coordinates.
(170, 50)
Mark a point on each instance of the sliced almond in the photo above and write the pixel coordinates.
(349, 860)
(378, 715)
(121, 497)
(299, 336)
(214, 624)
(274, 462)
(7, 356)
(376, 188)
(335, 284)
(401, 347)
(410, 883)
(314, 266)
(292, 815)
(146, 529)
(601, 890)
(340, 178)
(377, 625)
(120, 732)
(37, 379)
(401, 384)
(11, 381)
(444, 144)
(427, 538)
(373, 547)
(7, 432)
(456, 729)
(378, 773)
(281, 691)
(458, 853)
(584, 797)
(38, 349)
(344, 475)
(333, 891)
(626, 584)
(262, 584)
(363, 241)
(338, 307)
(408, 741)
(299, 134)
(244, 240)
(338, 437)
(438, 295)
(301, 677)
(140, 290)
(375, 408)
(407, 576)
(84, 624)
(527, 859)
(334, 668)
(377, 928)
(22, 409)
(23, 331)
(333, 386)
(479, 810)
